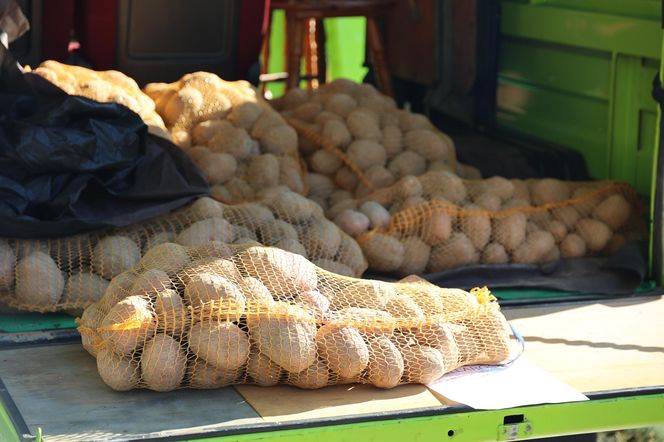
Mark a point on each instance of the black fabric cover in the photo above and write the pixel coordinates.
(69, 164)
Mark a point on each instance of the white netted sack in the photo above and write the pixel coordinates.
(68, 274)
(240, 143)
(200, 318)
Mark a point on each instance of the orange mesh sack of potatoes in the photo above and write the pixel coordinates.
(239, 142)
(68, 274)
(105, 87)
(438, 221)
(201, 318)
(356, 136)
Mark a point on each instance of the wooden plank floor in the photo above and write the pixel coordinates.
(593, 346)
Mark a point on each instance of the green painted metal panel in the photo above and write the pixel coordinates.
(632, 8)
(29, 322)
(572, 70)
(601, 31)
(565, 119)
(539, 421)
(7, 431)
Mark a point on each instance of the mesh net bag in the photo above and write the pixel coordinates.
(68, 274)
(239, 142)
(105, 87)
(359, 139)
(438, 222)
(202, 318)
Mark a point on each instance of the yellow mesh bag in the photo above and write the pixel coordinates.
(105, 87)
(438, 221)
(239, 142)
(68, 274)
(202, 318)
(358, 138)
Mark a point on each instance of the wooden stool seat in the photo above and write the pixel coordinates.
(305, 34)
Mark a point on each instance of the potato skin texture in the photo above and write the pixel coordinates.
(386, 365)
(343, 349)
(163, 363)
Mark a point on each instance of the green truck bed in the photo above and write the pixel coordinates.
(611, 350)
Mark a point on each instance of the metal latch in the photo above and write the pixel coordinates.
(515, 427)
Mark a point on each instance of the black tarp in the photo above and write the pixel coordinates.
(69, 164)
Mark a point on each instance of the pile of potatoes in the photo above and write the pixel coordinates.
(239, 142)
(438, 221)
(356, 121)
(105, 87)
(196, 318)
(73, 272)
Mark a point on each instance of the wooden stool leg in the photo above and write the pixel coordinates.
(294, 31)
(265, 54)
(378, 56)
(310, 53)
(320, 51)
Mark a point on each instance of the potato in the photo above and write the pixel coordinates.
(416, 256)
(333, 266)
(336, 132)
(213, 249)
(568, 215)
(158, 238)
(232, 140)
(386, 365)
(366, 153)
(313, 377)
(290, 174)
(471, 338)
(307, 111)
(118, 289)
(438, 335)
(320, 185)
(150, 282)
(422, 364)
(218, 168)
(202, 232)
(407, 163)
(128, 325)
(263, 171)
(170, 312)
(324, 117)
(510, 231)
(352, 222)
(403, 308)
(549, 190)
(295, 97)
(343, 349)
(498, 186)
(488, 201)
(445, 185)
(315, 302)
(346, 179)
(377, 214)
(272, 232)
(392, 141)
(255, 292)
(264, 122)
(350, 254)
(573, 246)
(286, 334)
(169, 257)
(293, 207)
(363, 294)
(280, 271)
(321, 239)
(249, 214)
(458, 250)
(206, 376)
(220, 343)
(291, 245)
(383, 252)
(119, 373)
(537, 246)
(494, 253)
(163, 363)
(7, 264)
(363, 124)
(83, 289)
(476, 224)
(113, 255)
(557, 229)
(614, 211)
(39, 282)
(595, 233)
(245, 114)
(201, 288)
(379, 177)
(263, 371)
(340, 104)
(428, 144)
(441, 166)
(409, 121)
(279, 140)
(615, 244)
(90, 321)
(437, 227)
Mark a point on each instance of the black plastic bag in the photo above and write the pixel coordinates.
(69, 164)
